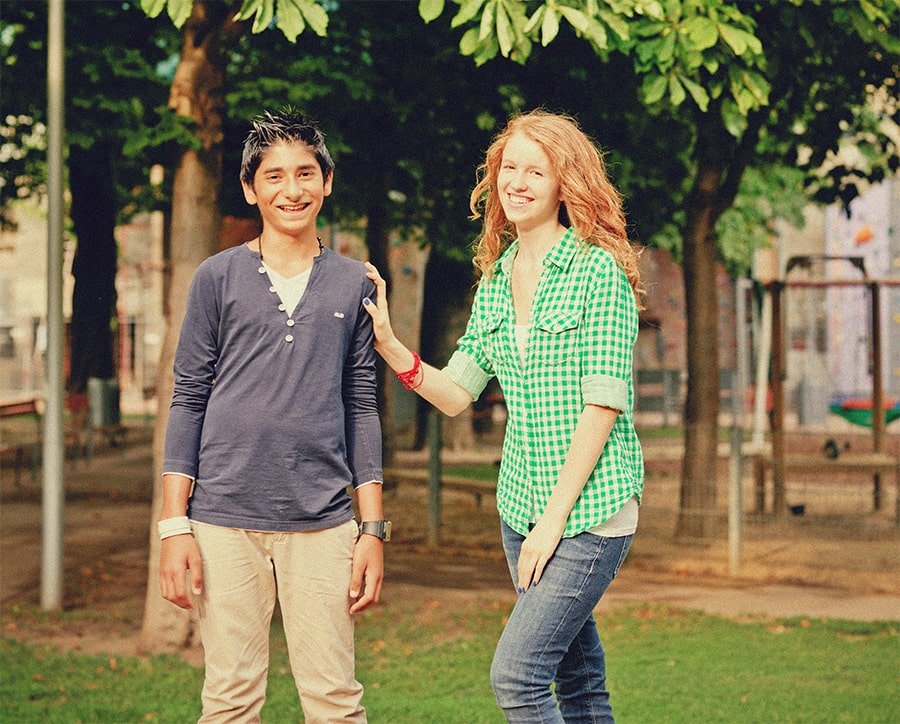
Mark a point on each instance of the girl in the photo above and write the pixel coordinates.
(555, 319)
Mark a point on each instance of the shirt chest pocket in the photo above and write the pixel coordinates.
(555, 338)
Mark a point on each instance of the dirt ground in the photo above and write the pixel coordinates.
(840, 568)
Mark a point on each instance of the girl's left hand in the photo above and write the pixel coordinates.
(537, 550)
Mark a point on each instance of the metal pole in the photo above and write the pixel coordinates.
(736, 467)
(434, 477)
(53, 496)
(878, 423)
(764, 340)
(779, 500)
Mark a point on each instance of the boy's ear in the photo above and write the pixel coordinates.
(328, 182)
(249, 193)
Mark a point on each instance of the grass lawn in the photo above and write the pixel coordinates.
(428, 661)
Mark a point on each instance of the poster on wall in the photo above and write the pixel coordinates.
(864, 233)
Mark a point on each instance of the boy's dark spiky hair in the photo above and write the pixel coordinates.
(288, 125)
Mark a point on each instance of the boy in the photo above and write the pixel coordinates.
(272, 417)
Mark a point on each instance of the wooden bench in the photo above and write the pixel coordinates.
(874, 464)
(18, 449)
(477, 488)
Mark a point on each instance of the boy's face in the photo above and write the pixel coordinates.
(289, 189)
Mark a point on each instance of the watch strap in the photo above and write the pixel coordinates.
(381, 529)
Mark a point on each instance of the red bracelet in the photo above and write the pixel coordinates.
(408, 378)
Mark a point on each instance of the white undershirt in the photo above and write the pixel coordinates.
(289, 291)
(625, 521)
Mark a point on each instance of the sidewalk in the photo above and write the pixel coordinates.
(107, 531)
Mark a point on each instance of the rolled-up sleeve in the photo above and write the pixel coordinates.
(610, 330)
(465, 371)
(470, 366)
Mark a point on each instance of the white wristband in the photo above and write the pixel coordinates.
(173, 526)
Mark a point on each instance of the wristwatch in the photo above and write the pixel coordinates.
(381, 529)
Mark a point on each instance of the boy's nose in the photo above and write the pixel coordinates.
(292, 188)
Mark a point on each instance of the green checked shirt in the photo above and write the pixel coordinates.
(581, 336)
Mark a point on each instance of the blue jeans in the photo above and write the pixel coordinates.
(552, 637)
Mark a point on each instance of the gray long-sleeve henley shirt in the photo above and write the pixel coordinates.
(274, 415)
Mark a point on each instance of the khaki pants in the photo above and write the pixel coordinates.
(243, 572)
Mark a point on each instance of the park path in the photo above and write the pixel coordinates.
(106, 539)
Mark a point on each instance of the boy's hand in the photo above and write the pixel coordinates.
(179, 555)
(367, 572)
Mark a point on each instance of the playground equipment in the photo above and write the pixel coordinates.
(878, 462)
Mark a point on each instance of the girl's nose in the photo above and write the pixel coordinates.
(519, 181)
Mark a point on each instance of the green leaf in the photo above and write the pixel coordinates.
(290, 19)
(486, 50)
(648, 50)
(615, 23)
(486, 26)
(666, 50)
(649, 29)
(702, 32)
(505, 35)
(597, 33)
(468, 11)
(180, 11)
(469, 42)
(735, 121)
(264, 10)
(758, 86)
(247, 9)
(676, 91)
(550, 26)
(576, 18)
(697, 91)
(430, 9)
(535, 19)
(315, 16)
(653, 88)
(739, 40)
(153, 8)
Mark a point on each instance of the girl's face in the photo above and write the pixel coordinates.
(528, 187)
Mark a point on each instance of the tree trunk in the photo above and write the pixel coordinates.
(701, 413)
(94, 267)
(196, 93)
(447, 296)
(377, 244)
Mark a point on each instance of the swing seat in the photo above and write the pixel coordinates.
(858, 410)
